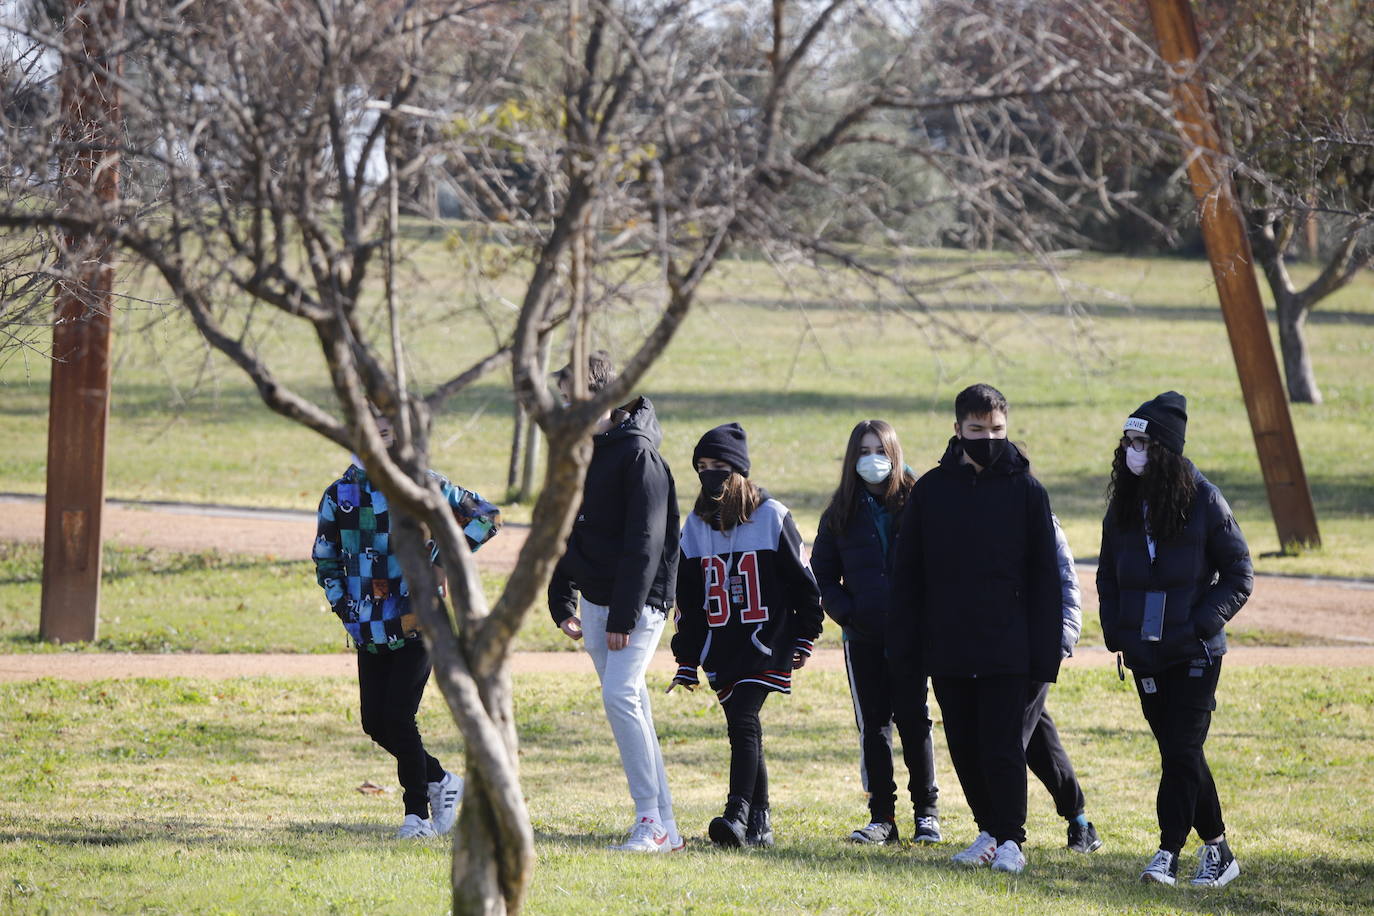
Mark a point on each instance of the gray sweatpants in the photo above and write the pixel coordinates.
(626, 700)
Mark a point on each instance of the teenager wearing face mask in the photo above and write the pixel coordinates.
(748, 613)
(851, 560)
(976, 602)
(1173, 569)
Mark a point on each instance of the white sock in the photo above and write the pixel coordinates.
(671, 827)
(650, 813)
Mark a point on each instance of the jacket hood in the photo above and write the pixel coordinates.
(637, 418)
(1012, 460)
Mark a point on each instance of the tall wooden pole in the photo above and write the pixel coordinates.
(79, 395)
(1233, 266)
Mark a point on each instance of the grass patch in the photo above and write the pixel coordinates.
(798, 373)
(170, 796)
(206, 602)
(162, 601)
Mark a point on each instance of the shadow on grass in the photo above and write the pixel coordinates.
(229, 403)
(703, 407)
(190, 832)
(1107, 880)
(1347, 495)
(1095, 309)
(127, 564)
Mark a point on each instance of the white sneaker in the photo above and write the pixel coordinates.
(1009, 858)
(979, 852)
(1163, 869)
(444, 796)
(647, 835)
(415, 827)
(676, 843)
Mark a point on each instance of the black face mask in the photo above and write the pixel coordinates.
(713, 482)
(984, 452)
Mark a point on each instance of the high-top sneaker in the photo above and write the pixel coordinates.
(760, 830)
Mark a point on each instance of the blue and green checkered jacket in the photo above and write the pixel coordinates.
(355, 563)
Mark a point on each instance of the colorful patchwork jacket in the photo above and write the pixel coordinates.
(356, 566)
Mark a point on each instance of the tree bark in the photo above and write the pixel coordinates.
(493, 844)
(1290, 308)
(1297, 357)
(517, 448)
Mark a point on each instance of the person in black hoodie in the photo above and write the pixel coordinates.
(748, 613)
(1173, 569)
(622, 557)
(976, 604)
(850, 560)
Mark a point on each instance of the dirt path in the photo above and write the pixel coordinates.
(1334, 612)
(277, 534)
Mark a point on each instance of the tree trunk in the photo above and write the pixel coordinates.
(1291, 308)
(493, 844)
(531, 461)
(1297, 358)
(490, 869)
(517, 448)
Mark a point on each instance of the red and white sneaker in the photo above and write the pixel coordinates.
(647, 835)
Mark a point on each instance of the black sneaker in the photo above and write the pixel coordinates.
(927, 830)
(1216, 867)
(1083, 838)
(1163, 869)
(878, 832)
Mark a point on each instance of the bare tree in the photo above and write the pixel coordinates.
(1293, 84)
(617, 150)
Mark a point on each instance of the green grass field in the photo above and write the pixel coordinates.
(798, 372)
(160, 601)
(156, 796)
(191, 796)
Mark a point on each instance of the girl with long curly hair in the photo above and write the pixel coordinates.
(1173, 569)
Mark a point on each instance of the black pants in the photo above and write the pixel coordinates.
(983, 718)
(883, 696)
(748, 772)
(390, 685)
(1178, 703)
(1046, 757)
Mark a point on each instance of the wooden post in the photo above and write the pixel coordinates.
(79, 393)
(1233, 267)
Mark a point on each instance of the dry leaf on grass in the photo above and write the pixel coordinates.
(371, 788)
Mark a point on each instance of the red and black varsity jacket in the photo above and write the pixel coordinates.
(745, 601)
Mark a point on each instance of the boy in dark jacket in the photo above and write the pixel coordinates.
(976, 601)
(622, 557)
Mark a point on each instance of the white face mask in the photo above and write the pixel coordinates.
(874, 468)
(1136, 461)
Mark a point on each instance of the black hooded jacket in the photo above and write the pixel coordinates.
(623, 549)
(975, 576)
(1204, 571)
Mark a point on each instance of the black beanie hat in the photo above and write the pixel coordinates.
(1163, 419)
(725, 443)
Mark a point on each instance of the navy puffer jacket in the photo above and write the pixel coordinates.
(1205, 572)
(852, 572)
